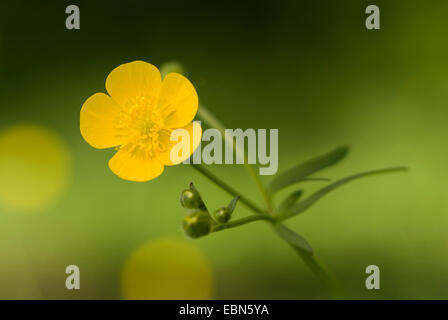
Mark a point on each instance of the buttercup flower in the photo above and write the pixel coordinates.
(138, 117)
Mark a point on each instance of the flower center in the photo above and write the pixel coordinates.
(143, 126)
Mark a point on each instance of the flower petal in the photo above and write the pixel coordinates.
(194, 132)
(97, 122)
(132, 80)
(178, 100)
(132, 168)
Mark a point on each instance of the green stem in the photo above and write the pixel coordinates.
(262, 190)
(213, 122)
(331, 283)
(227, 188)
(318, 269)
(239, 222)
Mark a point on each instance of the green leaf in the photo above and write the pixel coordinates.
(299, 172)
(315, 179)
(193, 188)
(196, 192)
(293, 238)
(290, 200)
(231, 206)
(305, 204)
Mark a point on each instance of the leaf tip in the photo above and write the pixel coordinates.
(343, 149)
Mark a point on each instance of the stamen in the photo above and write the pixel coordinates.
(142, 124)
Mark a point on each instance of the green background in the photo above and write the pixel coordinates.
(310, 69)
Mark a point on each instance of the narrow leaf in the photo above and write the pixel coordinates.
(196, 192)
(299, 172)
(193, 188)
(231, 206)
(305, 204)
(315, 179)
(293, 238)
(290, 200)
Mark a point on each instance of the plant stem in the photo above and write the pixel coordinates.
(227, 188)
(213, 122)
(329, 281)
(239, 222)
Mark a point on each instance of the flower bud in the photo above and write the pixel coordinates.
(190, 200)
(172, 66)
(222, 215)
(197, 224)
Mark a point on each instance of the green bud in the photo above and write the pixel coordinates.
(190, 200)
(172, 66)
(197, 224)
(222, 215)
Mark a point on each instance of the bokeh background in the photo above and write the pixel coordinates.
(308, 68)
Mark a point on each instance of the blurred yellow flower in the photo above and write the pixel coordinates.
(34, 168)
(167, 269)
(138, 117)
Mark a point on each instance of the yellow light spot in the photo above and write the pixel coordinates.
(167, 269)
(34, 168)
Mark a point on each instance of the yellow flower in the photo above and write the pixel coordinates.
(138, 117)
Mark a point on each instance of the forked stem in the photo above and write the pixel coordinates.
(330, 282)
(227, 188)
(205, 115)
(240, 222)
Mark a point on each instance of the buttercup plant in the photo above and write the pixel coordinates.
(140, 116)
